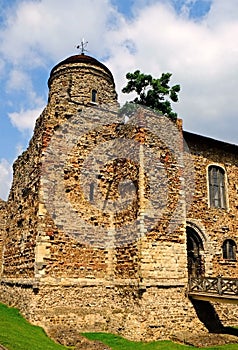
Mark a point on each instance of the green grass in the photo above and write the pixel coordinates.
(18, 334)
(119, 343)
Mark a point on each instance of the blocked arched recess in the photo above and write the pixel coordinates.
(195, 250)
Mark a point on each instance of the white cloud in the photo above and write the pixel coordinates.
(52, 28)
(5, 178)
(25, 119)
(18, 80)
(201, 55)
(223, 12)
(2, 66)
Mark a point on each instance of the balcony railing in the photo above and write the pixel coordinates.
(213, 285)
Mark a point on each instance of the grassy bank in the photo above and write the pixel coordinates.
(18, 334)
(119, 343)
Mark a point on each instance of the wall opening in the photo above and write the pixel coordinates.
(217, 188)
(194, 253)
(229, 249)
(94, 96)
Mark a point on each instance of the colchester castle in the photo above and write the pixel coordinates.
(122, 227)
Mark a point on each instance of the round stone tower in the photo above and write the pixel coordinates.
(78, 87)
(75, 84)
(83, 80)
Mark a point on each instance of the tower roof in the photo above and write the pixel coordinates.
(81, 59)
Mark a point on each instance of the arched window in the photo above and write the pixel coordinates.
(229, 249)
(217, 195)
(94, 95)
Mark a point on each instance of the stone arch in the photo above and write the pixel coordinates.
(195, 250)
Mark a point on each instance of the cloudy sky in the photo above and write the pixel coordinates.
(195, 40)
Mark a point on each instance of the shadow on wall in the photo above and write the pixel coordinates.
(209, 317)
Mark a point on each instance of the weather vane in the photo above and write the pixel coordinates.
(82, 46)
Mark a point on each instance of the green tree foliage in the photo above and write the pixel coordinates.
(153, 93)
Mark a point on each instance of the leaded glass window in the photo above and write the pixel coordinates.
(217, 193)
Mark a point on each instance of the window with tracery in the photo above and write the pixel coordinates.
(217, 191)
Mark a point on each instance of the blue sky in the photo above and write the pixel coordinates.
(195, 40)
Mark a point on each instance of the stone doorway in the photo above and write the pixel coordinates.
(194, 253)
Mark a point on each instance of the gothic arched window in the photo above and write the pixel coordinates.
(217, 194)
(229, 249)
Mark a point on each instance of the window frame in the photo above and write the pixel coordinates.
(229, 249)
(94, 95)
(217, 187)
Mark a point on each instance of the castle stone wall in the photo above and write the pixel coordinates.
(2, 231)
(155, 313)
(216, 224)
(66, 259)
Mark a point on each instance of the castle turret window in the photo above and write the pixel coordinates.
(217, 195)
(91, 192)
(229, 249)
(94, 96)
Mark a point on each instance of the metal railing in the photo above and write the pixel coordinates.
(214, 285)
